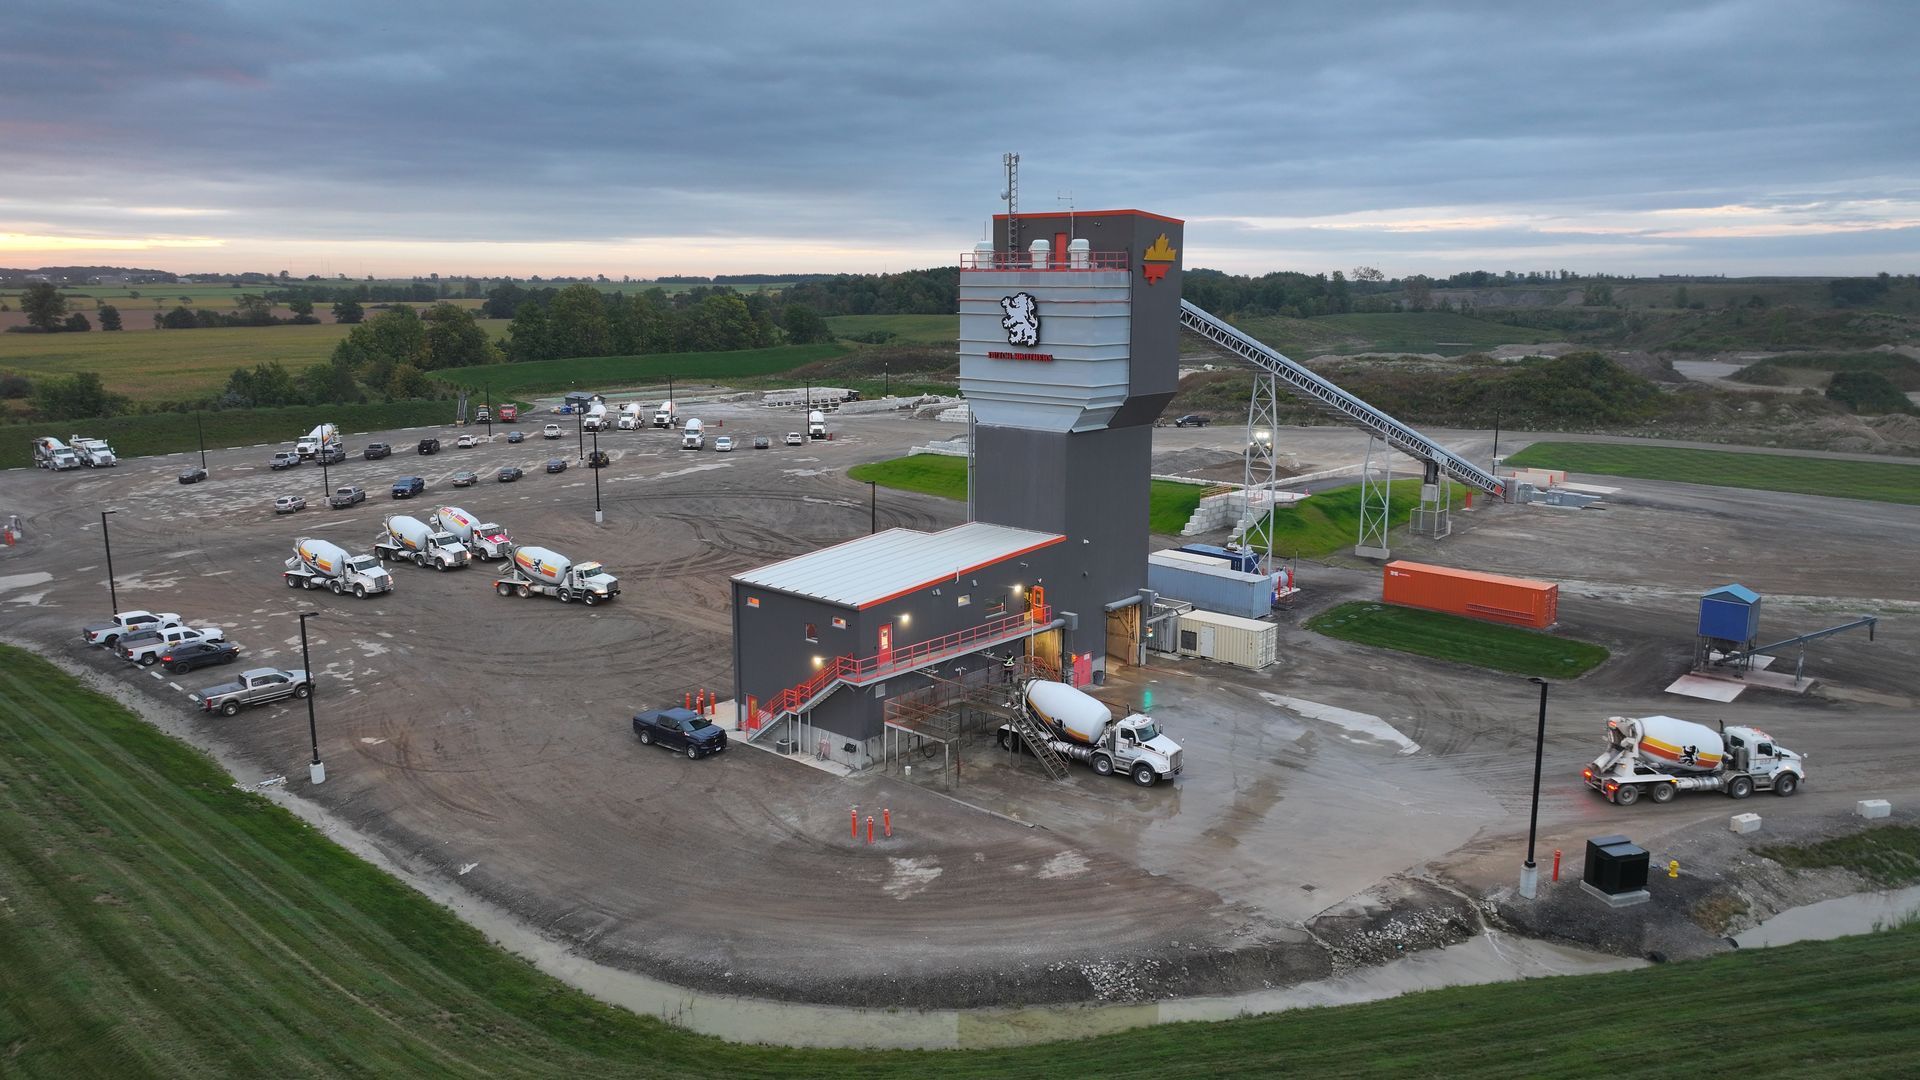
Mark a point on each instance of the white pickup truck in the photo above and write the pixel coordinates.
(110, 633)
(145, 647)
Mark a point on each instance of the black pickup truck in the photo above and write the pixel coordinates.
(680, 729)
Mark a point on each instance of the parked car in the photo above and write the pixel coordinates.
(287, 504)
(285, 459)
(254, 687)
(516, 436)
(794, 438)
(509, 474)
(199, 654)
(331, 454)
(408, 486)
(376, 451)
(723, 444)
(551, 431)
(1190, 420)
(110, 632)
(761, 442)
(466, 442)
(465, 478)
(429, 446)
(193, 475)
(680, 729)
(346, 496)
(555, 465)
(598, 459)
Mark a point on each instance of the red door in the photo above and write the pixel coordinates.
(886, 643)
(1059, 249)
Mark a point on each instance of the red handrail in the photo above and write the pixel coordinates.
(1058, 260)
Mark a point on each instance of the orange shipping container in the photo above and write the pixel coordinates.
(1516, 601)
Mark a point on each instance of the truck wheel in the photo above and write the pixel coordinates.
(586, 598)
(1661, 793)
(1626, 795)
(110, 641)
(504, 590)
(1740, 787)
(231, 708)
(566, 596)
(303, 690)
(524, 592)
(335, 586)
(1785, 784)
(646, 738)
(149, 660)
(360, 590)
(306, 583)
(1103, 764)
(420, 560)
(1144, 775)
(292, 582)
(381, 553)
(693, 754)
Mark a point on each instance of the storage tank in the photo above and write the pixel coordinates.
(454, 520)
(320, 556)
(409, 532)
(542, 564)
(1514, 601)
(1730, 613)
(1673, 745)
(1078, 717)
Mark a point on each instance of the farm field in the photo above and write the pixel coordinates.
(1452, 637)
(159, 921)
(906, 329)
(1882, 481)
(1170, 504)
(171, 432)
(1329, 521)
(606, 372)
(1443, 332)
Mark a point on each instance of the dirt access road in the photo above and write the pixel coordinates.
(484, 740)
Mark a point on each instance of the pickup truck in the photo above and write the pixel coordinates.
(680, 729)
(110, 633)
(346, 496)
(146, 647)
(255, 687)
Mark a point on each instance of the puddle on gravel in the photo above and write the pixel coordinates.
(1860, 913)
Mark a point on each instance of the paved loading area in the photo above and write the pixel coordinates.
(486, 740)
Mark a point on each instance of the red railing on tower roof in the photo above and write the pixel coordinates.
(1057, 261)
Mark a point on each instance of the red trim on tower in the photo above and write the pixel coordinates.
(1095, 214)
(964, 571)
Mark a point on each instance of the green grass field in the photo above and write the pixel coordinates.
(1170, 504)
(167, 433)
(158, 921)
(1889, 855)
(606, 372)
(1881, 481)
(169, 365)
(1444, 332)
(1329, 520)
(1451, 637)
(906, 329)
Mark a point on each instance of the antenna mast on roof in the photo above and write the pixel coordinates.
(1011, 197)
(1067, 197)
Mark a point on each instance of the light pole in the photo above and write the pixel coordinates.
(1530, 873)
(579, 432)
(107, 539)
(598, 518)
(201, 432)
(315, 771)
(873, 506)
(1495, 463)
(326, 485)
(489, 390)
(886, 380)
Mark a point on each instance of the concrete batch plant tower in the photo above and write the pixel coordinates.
(1069, 351)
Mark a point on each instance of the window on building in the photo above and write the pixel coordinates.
(813, 632)
(1190, 639)
(962, 600)
(839, 623)
(753, 601)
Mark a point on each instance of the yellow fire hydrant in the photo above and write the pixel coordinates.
(1673, 868)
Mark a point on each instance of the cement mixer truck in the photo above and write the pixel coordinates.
(411, 539)
(632, 416)
(816, 425)
(693, 436)
(323, 436)
(483, 539)
(536, 570)
(1077, 726)
(596, 419)
(1660, 756)
(317, 563)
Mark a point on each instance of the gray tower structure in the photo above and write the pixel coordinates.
(1069, 350)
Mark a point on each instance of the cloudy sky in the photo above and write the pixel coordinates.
(1742, 137)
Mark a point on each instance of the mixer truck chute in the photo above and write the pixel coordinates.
(1660, 756)
(537, 570)
(317, 563)
(413, 540)
(484, 539)
(1077, 726)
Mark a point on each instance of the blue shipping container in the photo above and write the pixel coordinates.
(1247, 562)
(1230, 592)
(1730, 613)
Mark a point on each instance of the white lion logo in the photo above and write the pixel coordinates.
(1021, 320)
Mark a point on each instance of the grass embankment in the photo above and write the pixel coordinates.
(1444, 332)
(156, 921)
(608, 372)
(1169, 505)
(1451, 637)
(900, 329)
(1902, 371)
(170, 365)
(1329, 520)
(1888, 856)
(1881, 481)
(167, 433)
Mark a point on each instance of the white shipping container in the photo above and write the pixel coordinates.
(1230, 639)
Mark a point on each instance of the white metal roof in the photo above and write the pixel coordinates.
(866, 571)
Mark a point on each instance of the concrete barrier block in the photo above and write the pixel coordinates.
(1744, 823)
(1872, 808)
